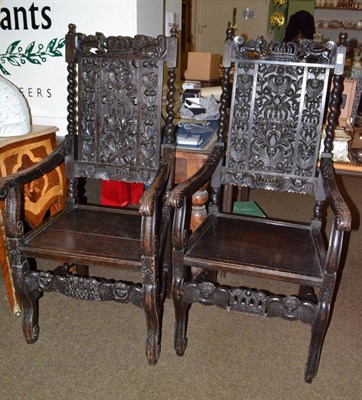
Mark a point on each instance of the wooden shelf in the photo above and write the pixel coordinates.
(342, 28)
(338, 8)
(339, 20)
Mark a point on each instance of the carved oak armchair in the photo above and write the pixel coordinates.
(274, 130)
(115, 87)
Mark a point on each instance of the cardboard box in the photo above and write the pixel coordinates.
(202, 66)
(348, 106)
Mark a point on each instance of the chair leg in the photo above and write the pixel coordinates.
(29, 298)
(82, 270)
(30, 312)
(153, 318)
(181, 317)
(153, 312)
(319, 329)
(166, 282)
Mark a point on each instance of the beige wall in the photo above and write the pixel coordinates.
(211, 18)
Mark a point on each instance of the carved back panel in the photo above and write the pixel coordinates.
(119, 94)
(276, 117)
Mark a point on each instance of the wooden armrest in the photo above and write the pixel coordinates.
(341, 211)
(146, 205)
(196, 181)
(36, 170)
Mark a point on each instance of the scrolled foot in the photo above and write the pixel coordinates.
(311, 369)
(309, 377)
(31, 335)
(153, 350)
(180, 347)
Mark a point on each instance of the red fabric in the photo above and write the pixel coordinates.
(120, 194)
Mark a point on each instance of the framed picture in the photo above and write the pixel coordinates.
(351, 97)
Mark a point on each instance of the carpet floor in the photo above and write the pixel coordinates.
(96, 350)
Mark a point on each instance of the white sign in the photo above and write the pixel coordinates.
(32, 44)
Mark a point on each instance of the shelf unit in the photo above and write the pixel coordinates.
(339, 14)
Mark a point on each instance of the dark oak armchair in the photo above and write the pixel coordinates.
(115, 93)
(277, 110)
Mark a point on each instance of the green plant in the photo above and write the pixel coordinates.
(15, 55)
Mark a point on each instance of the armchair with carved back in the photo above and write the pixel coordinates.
(277, 108)
(115, 94)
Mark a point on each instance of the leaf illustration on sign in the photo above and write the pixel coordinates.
(16, 56)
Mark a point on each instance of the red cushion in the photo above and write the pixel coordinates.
(120, 194)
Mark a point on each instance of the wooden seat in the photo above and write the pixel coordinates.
(112, 237)
(114, 133)
(296, 262)
(268, 140)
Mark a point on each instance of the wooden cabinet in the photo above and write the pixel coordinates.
(46, 194)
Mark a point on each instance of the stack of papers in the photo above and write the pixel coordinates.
(195, 134)
(191, 140)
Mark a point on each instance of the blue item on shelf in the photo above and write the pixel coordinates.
(195, 134)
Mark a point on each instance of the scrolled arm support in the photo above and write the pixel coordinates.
(36, 170)
(196, 181)
(342, 214)
(146, 205)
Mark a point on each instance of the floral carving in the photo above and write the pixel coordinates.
(307, 50)
(292, 308)
(120, 77)
(81, 288)
(275, 126)
(115, 135)
(272, 148)
(251, 301)
(140, 45)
